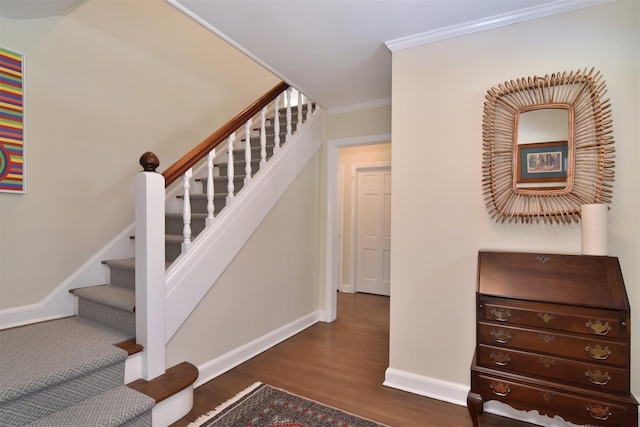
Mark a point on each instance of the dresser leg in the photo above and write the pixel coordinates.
(474, 404)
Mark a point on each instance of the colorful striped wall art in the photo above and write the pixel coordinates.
(12, 143)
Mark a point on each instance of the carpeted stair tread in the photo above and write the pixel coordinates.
(112, 296)
(115, 407)
(123, 263)
(45, 354)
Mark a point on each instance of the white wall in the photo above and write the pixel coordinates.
(439, 225)
(104, 84)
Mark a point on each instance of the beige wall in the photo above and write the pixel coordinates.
(438, 95)
(355, 124)
(104, 84)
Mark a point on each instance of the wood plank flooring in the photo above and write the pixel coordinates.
(341, 364)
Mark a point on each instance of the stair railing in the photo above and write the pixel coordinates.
(150, 194)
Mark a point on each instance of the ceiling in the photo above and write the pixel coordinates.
(32, 9)
(339, 51)
(336, 51)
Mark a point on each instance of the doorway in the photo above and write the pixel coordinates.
(332, 248)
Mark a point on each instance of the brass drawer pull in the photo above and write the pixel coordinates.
(547, 338)
(501, 359)
(597, 352)
(546, 317)
(500, 315)
(597, 377)
(547, 396)
(599, 412)
(500, 336)
(500, 389)
(546, 362)
(597, 327)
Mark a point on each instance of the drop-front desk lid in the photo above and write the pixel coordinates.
(590, 281)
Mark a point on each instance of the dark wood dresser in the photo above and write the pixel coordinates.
(553, 335)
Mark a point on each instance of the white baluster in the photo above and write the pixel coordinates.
(299, 111)
(308, 107)
(210, 192)
(288, 114)
(263, 137)
(276, 124)
(230, 171)
(186, 211)
(247, 153)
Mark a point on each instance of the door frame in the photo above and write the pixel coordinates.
(357, 168)
(329, 314)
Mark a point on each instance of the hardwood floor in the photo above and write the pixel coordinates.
(341, 364)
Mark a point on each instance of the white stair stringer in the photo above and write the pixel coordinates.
(191, 276)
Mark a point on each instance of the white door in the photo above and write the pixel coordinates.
(373, 230)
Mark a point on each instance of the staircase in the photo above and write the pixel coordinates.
(72, 371)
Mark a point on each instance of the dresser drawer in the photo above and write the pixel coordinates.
(596, 377)
(592, 322)
(588, 348)
(579, 409)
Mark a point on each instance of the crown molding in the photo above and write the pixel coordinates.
(496, 21)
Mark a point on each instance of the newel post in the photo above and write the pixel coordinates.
(150, 266)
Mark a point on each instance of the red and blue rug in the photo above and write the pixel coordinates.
(264, 406)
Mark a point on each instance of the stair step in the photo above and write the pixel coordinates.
(173, 381)
(111, 305)
(122, 272)
(113, 296)
(50, 365)
(114, 407)
(130, 346)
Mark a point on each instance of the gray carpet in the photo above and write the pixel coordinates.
(52, 366)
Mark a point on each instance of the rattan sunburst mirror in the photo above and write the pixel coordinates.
(530, 175)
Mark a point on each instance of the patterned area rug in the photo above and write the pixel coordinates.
(264, 406)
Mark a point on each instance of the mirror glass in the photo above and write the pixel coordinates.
(543, 146)
(543, 125)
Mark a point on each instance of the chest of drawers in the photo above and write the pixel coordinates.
(553, 335)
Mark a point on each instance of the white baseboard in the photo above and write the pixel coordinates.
(347, 288)
(426, 386)
(230, 360)
(325, 316)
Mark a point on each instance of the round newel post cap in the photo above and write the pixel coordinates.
(149, 162)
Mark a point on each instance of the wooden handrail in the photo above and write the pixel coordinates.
(201, 150)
